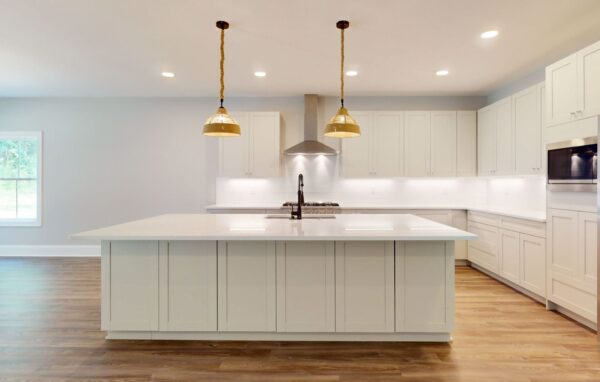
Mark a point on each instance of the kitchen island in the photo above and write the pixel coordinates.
(266, 277)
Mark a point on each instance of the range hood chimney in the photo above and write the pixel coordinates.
(310, 145)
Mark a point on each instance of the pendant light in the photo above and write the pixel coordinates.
(221, 124)
(342, 125)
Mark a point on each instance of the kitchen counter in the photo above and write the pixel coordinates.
(347, 277)
(534, 215)
(278, 227)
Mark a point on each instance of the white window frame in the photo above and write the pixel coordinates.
(37, 222)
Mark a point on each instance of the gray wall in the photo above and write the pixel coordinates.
(111, 160)
(518, 85)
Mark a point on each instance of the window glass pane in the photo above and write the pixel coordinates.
(9, 159)
(27, 158)
(27, 199)
(8, 199)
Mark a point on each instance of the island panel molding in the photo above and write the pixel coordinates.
(310, 288)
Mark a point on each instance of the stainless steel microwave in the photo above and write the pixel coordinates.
(572, 165)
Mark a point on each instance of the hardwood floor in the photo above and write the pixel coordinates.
(50, 319)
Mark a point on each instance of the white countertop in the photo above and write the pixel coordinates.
(259, 227)
(534, 215)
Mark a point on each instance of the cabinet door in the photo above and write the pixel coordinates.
(364, 278)
(387, 144)
(588, 72)
(264, 144)
(188, 286)
(505, 139)
(416, 143)
(246, 286)
(561, 90)
(509, 255)
(562, 242)
(356, 152)
(484, 251)
(424, 286)
(443, 143)
(305, 286)
(533, 263)
(234, 155)
(528, 131)
(486, 140)
(132, 285)
(588, 251)
(466, 143)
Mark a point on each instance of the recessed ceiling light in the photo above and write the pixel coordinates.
(442, 72)
(351, 73)
(489, 34)
(168, 74)
(260, 74)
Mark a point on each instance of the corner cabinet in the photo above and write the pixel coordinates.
(510, 135)
(573, 86)
(257, 152)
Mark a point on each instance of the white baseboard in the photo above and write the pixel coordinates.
(49, 250)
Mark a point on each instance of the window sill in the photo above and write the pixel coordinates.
(20, 223)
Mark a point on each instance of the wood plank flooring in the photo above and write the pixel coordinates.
(50, 319)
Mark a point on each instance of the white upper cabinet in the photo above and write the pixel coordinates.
(588, 78)
(416, 143)
(573, 86)
(355, 156)
(486, 144)
(466, 143)
(528, 130)
(387, 139)
(561, 90)
(442, 147)
(256, 153)
(378, 150)
(505, 138)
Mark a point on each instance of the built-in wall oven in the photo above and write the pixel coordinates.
(572, 165)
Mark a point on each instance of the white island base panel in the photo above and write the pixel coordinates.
(301, 290)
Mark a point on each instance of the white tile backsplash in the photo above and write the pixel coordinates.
(322, 183)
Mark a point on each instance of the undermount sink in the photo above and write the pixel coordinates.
(304, 216)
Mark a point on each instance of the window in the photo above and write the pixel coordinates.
(20, 178)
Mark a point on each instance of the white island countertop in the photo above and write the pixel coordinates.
(278, 227)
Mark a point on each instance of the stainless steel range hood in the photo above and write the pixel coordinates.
(310, 145)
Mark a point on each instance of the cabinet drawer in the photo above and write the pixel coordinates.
(485, 218)
(488, 237)
(524, 226)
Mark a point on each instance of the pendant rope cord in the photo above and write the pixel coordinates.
(342, 68)
(222, 67)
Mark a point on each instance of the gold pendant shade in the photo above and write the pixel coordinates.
(221, 124)
(342, 125)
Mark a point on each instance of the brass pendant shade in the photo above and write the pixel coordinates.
(342, 125)
(221, 124)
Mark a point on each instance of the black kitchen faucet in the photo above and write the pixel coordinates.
(298, 213)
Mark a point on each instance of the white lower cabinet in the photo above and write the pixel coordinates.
(246, 286)
(572, 261)
(305, 286)
(188, 285)
(509, 255)
(424, 286)
(511, 248)
(533, 263)
(130, 285)
(364, 279)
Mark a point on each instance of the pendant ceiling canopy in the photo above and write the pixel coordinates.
(221, 124)
(342, 125)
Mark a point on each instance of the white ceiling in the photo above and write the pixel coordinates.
(120, 47)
